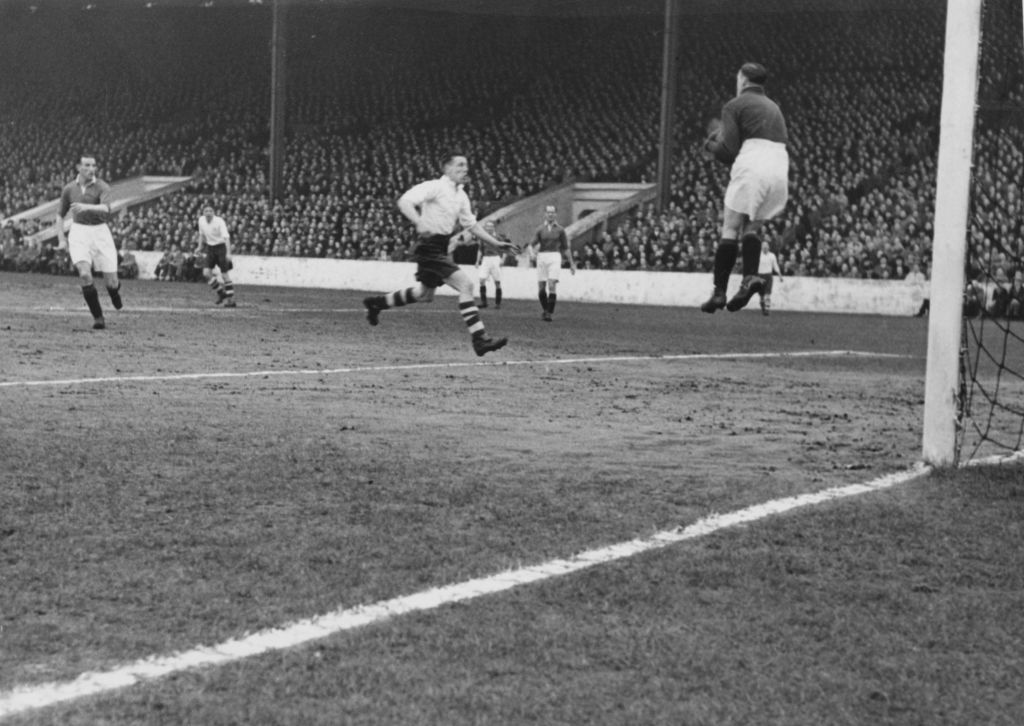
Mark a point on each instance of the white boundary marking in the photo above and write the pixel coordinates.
(78, 311)
(26, 698)
(423, 366)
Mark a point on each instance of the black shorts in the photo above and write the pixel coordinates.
(217, 256)
(433, 263)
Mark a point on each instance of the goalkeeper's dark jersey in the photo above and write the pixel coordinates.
(751, 115)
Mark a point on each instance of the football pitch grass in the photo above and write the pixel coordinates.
(196, 481)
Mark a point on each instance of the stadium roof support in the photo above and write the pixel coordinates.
(278, 99)
(669, 82)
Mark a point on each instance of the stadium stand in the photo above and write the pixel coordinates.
(540, 101)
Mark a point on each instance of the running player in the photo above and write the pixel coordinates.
(214, 249)
(435, 207)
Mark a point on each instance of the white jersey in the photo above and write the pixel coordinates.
(768, 264)
(443, 204)
(214, 232)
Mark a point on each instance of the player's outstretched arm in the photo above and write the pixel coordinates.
(478, 231)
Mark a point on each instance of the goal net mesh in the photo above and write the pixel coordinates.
(991, 395)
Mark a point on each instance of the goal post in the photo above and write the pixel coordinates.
(949, 245)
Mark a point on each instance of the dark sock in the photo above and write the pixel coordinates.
(497, 294)
(751, 253)
(115, 296)
(725, 260)
(92, 299)
(543, 297)
(483, 294)
(552, 299)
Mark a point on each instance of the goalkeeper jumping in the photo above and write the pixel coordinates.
(751, 137)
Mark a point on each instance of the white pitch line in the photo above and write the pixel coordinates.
(211, 310)
(423, 366)
(26, 698)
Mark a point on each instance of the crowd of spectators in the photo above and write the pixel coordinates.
(17, 254)
(375, 96)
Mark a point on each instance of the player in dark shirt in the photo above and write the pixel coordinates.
(89, 241)
(751, 138)
(488, 264)
(547, 248)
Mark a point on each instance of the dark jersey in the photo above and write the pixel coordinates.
(551, 239)
(95, 192)
(751, 115)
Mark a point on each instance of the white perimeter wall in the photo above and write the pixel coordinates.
(882, 297)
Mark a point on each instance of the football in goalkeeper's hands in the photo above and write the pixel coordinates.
(715, 127)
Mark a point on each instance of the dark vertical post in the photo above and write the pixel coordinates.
(278, 71)
(669, 82)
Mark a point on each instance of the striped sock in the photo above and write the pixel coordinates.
(399, 298)
(471, 315)
(216, 287)
(229, 289)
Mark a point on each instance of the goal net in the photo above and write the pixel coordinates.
(974, 404)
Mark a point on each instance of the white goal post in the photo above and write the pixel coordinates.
(949, 246)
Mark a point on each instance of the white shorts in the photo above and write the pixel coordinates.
(94, 244)
(759, 181)
(490, 266)
(549, 265)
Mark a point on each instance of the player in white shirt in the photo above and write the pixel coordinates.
(214, 248)
(436, 208)
(919, 290)
(767, 269)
